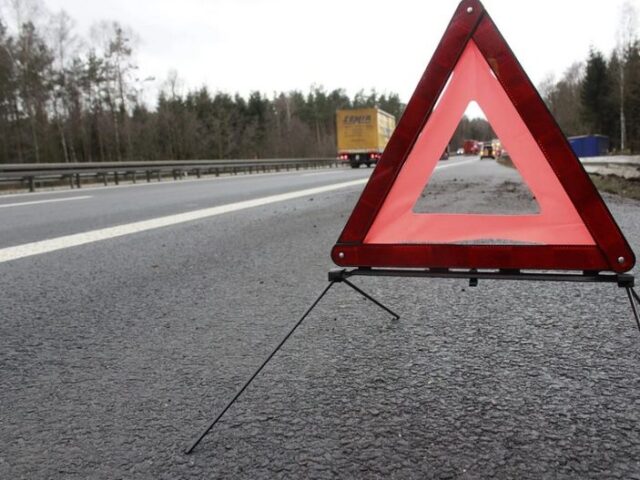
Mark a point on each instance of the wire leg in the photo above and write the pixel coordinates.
(369, 297)
(635, 295)
(630, 292)
(208, 429)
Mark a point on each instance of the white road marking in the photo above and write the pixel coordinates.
(38, 202)
(68, 241)
(321, 173)
(457, 164)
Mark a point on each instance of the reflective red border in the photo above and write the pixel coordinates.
(612, 251)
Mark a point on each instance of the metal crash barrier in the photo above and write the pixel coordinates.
(33, 175)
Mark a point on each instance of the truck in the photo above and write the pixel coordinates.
(362, 134)
(471, 147)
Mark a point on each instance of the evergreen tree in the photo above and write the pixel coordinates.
(595, 92)
(632, 77)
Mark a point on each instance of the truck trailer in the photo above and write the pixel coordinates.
(590, 145)
(362, 134)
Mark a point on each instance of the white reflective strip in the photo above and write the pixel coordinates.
(38, 202)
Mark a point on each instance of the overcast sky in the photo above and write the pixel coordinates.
(282, 45)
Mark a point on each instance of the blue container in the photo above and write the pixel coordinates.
(590, 145)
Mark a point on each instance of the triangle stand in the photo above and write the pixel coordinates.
(623, 280)
(342, 275)
(333, 279)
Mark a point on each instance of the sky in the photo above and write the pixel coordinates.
(282, 45)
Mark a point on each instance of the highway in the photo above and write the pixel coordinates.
(130, 315)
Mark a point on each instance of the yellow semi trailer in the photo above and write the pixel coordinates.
(362, 134)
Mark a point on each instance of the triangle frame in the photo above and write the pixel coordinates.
(611, 251)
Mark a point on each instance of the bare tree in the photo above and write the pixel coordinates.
(116, 44)
(20, 12)
(65, 44)
(173, 85)
(627, 35)
(563, 98)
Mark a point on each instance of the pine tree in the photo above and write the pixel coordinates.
(595, 92)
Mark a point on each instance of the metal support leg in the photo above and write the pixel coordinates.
(633, 298)
(208, 429)
(369, 297)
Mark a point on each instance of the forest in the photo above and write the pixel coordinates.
(64, 98)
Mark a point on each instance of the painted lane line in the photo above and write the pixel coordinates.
(38, 202)
(457, 164)
(438, 167)
(335, 172)
(68, 241)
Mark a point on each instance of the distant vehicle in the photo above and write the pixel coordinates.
(471, 147)
(460, 151)
(362, 134)
(487, 151)
(491, 149)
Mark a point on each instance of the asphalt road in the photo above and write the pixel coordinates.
(115, 353)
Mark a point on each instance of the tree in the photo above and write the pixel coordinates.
(32, 63)
(116, 43)
(626, 38)
(63, 41)
(632, 112)
(563, 98)
(595, 92)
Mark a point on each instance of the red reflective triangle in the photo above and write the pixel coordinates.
(574, 229)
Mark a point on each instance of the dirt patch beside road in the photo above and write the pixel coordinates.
(617, 185)
(604, 183)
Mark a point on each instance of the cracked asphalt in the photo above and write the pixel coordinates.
(115, 355)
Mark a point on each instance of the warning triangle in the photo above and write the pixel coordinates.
(573, 230)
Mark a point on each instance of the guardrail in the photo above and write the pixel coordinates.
(32, 175)
(625, 166)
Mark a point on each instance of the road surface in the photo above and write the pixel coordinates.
(129, 316)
